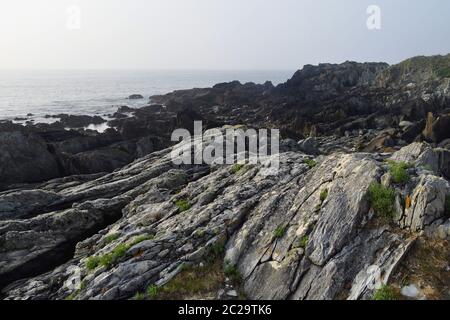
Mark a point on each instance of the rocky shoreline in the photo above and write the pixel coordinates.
(363, 182)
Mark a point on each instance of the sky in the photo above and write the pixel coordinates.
(215, 34)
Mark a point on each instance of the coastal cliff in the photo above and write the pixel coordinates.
(363, 185)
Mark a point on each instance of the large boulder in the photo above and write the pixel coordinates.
(428, 203)
(25, 157)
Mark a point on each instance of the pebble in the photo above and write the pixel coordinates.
(232, 293)
(410, 291)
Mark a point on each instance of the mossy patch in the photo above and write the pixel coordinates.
(183, 205)
(109, 259)
(236, 168)
(111, 238)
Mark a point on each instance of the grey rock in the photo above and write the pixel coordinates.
(309, 146)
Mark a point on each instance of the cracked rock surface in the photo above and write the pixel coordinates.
(308, 232)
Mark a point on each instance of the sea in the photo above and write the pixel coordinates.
(31, 95)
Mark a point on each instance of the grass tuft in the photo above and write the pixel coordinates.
(324, 195)
(279, 232)
(112, 237)
(139, 296)
(152, 291)
(191, 283)
(233, 273)
(183, 205)
(92, 262)
(399, 172)
(311, 163)
(109, 259)
(386, 293)
(382, 200)
(303, 242)
(236, 168)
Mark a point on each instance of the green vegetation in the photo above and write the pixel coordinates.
(152, 291)
(311, 163)
(382, 200)
(303, 242)
(399, 171)
(236, 168)
(443, 72)
(386, 293)
(216, 251)
(140, 239)
(92, 262)
(233, 273)
(191, 283)
(112, 237)
(109, 259)
(139, 296)
(279, 232)
(71, 296)
(183, 205)
(323, 195)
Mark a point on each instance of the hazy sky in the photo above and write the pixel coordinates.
(216, 34)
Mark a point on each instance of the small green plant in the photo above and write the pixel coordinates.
(112, 237)
(236, 168)
(279, 232)
(215, 251)
(311, 163)
(183, 205)
(399, 171)
(386, 293)
(324, 195)
(140, 239)
(139, 296)
(92, 262)
(152, 291)
(109, 259)
(382, 200)
(303, 242)
(444, 72)
(233, 273)
(71, 296)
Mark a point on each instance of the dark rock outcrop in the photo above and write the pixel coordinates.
(135, 97)
(25, 157)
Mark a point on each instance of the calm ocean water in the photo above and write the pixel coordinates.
(101, 92)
